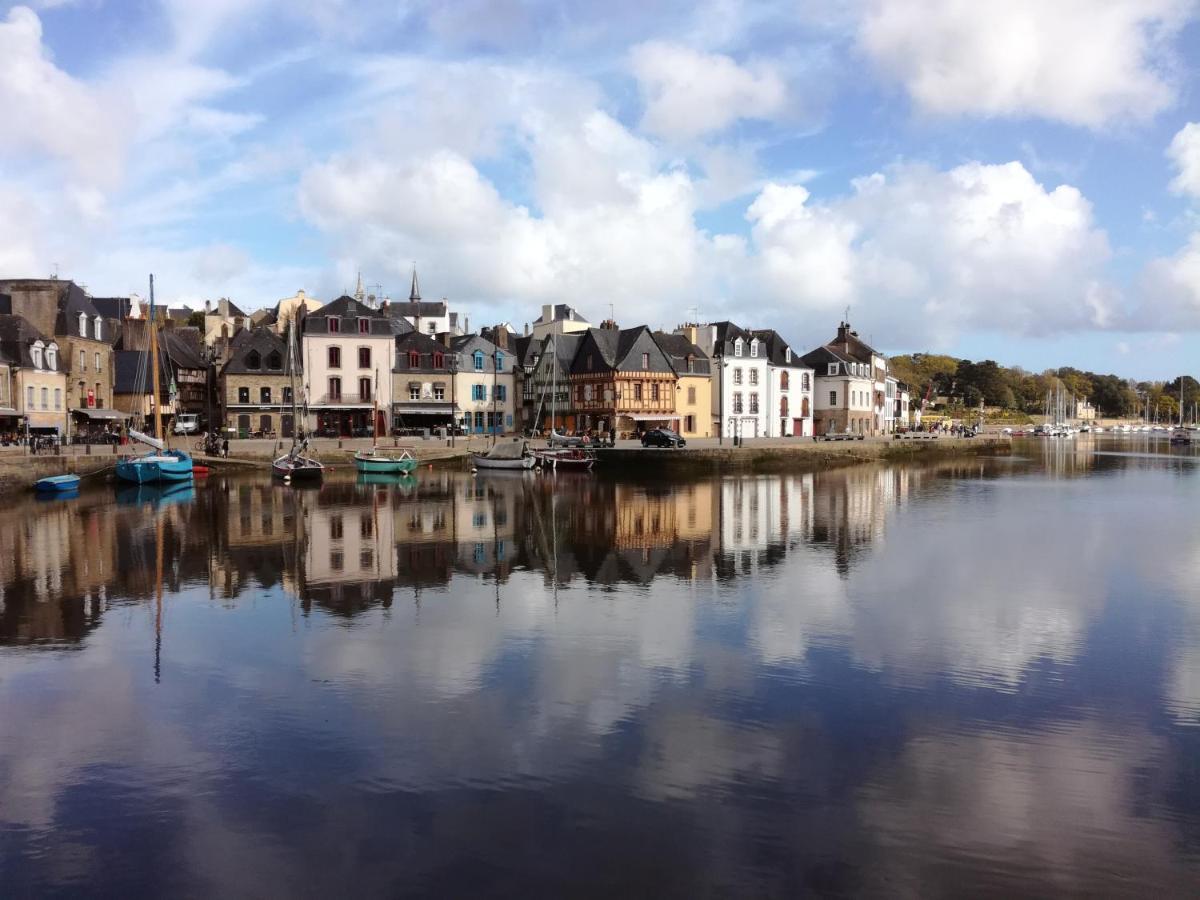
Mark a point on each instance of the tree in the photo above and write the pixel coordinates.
(196, 319)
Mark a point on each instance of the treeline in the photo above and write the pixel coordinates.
(968, 384)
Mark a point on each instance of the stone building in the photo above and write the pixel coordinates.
(423, 391)
(36, 382)
(850, 385)
(484, 385)
(255, 387)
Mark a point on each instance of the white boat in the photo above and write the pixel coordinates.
(513, 455)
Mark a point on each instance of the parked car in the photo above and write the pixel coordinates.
(187, 423)
(662, 437)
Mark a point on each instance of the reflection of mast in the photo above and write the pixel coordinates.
(158, 594)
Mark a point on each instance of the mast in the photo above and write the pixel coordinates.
(553, 382)
(154, 366)
(375, 412)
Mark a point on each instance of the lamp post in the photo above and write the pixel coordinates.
(453, 396)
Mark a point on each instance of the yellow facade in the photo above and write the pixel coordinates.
(693, 404)
(41, 395)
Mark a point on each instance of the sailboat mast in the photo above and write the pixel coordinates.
(155, 397)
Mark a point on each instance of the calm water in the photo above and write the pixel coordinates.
(978, 677)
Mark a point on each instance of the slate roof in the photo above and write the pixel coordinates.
(677, 348)
(125, 371)
(423, 308)
(562, 312)
(424, 345)
(349, 311)
(527, 349)
(182, 346)
(73, 300)
(266, 342)
(113, 307)
(16, 337)
(616, 346)
(777, 349)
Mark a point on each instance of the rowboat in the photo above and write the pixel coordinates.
(578, 460)
(57, 483)
(374, 462)
(294, 466)
(514, 455)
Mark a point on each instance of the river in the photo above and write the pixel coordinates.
(978, 676)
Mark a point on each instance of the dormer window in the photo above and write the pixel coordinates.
(414, 359)
(275, 361)
(36, 353)
(97, 328)
(83, 324)
(477, 358)
(439, 361)
(499, 361)
(335, 324)
(52, 357)
(691, 363)
(364, 326)
(754, 348)
(737, 347)
(253, 360)
(833, 368)
(787, 354)
(645, 362)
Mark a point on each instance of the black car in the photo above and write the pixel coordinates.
(662, 437)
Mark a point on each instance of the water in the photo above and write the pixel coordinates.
(979, 676)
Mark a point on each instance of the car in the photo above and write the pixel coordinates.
(187, 423)
(662, 437)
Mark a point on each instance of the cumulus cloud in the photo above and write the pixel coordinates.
(1074, 61)
(1184, 153)
(688, 94)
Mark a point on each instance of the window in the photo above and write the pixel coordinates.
(737, 404)
(414, 359)
(335, 389)
(364, 326)
(264, 395)
(275, 361)
(737, 347)
(787, 355)
(253, 360)
(439, 361)
(364, 389)
(97, 361)
(691, 395)
(36, 353)
(754, 376)
(431, 327)
(783, 381)
(833, 398)
(364, 357)
(654, 390)
(637, 390)
(45, 398)
(691, 363)
(83, 324)
(804, 382)
(832, 369)
(754, 403)
(479, 519)
(243, 395)
(783, 407)
(754, 348)
(645, 362)
(52, 357)
(501, 392)
(478, 392)
(335, 357)
(97, 327)
(335, 324)
(737, 375)
(58, 398)
(287, 394)
(477, 358)
(336, 528)
(439, 392)
(499, 361)
(29, 401)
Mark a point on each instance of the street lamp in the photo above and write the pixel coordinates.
(453, 397)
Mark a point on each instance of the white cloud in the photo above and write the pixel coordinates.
(1076, 61)
(1170, 289)
(689, 94)
(1184, 153)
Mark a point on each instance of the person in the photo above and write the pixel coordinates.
(225, 448)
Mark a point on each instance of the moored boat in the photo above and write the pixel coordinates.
(295, 466)
(579, 460)
(382, 463)
(57, 483)
(514, 455)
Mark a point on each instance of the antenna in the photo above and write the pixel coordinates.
(847, 319)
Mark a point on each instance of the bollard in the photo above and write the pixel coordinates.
(87, 449)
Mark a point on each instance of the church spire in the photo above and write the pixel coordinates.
(415, 293)
(359, 294)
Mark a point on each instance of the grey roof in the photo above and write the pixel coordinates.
(349, 311)
(182, 346)
(414, 308)
(617, 346)
(126, 364)
(425, 346)
(562, 312)
(17, 335)
(678, 348)
(777, 348)
(265, 342)
(73, 300)
(527, 348)
(113, 307)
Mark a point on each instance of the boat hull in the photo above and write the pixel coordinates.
(297, 468)
(483, 462)
(384, 465)
(565, 461)
(154, 468)
(57, 483)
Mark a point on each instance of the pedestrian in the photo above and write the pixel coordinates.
(225, 448)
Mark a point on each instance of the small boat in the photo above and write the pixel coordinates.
(379, 463)
(1181, 438)
(578, 460)
(514, 455)
(57, 483)
(295, 466)
(166, 465)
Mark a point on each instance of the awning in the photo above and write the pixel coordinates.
(8, 411)
(99, 413)
(427, 409)
(657, 418)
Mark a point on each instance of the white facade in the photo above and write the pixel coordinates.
(844, 394)
(741, 397)
(345, 375)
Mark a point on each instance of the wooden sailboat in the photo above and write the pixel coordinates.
(161, 464)
(296, 464)
(374, 461)
(1181, 437)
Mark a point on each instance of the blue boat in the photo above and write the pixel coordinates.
(57, 483)
(167, 465)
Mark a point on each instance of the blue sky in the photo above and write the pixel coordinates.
(1017, 179)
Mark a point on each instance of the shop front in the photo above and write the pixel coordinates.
(90, 425)
(349, 421)
(418, 416)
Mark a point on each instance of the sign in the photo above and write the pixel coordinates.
(91, 399)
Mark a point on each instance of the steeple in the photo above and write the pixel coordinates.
(359, 294)
(415, 294)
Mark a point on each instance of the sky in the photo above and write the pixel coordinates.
(1007, 179)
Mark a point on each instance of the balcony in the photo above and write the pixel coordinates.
(343, 399)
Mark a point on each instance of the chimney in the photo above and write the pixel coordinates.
(547, 313)
(610, 324)
(300, 295)
(526, 332)
(466, 325)
(207, 307)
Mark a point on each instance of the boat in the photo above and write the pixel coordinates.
(296, 464)
(577, 460)
(382, 462)
(57, 483)
(160, 464)
(513, 455)
(1181, 437)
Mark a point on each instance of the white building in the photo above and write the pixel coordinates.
(559, 318)
(789, 388)
(484, 385)
(741, 387)
(851, 386)
(428, 317)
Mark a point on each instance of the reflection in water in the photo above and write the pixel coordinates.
(979, 673)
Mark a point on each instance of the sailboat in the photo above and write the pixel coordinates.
(1181, 437)
(576, 454)
(296, 464)
(161, 464)
(377, 463)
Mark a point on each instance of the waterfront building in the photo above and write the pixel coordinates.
(546, 394)
(133, 387)
(423, 390)
(254, 385)
(693, 388)
(559, 318)
(526, 351)
(850, 385)
(222, 321)
(188, 361)
(426, 316)
(289, 309)
(740, 370)
(36, 383)
(621, 379)
(789, 388)
(484, 384)
(347, 355)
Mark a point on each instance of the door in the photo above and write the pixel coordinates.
(265, 424)
(797, 428)
(285, 425)
(243, 425)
